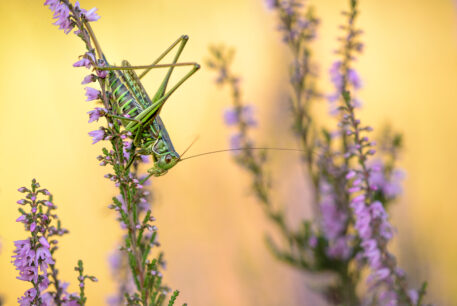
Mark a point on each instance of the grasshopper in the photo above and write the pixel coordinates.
(138, 113)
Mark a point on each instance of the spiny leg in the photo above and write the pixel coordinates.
(113, 68)
(160, 92)
(163, 87)
(157, 102)
(153, 110)
(123, 118)
(183, 40)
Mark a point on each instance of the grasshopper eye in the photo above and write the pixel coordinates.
(168, 158)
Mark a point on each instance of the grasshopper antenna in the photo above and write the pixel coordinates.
(192, 143)
(241, 149)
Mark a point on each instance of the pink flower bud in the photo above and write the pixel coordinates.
(21, 218)
(44, 242)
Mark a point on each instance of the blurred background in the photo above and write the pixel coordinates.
(211, 230)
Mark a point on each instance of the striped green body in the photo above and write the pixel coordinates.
(129, 99)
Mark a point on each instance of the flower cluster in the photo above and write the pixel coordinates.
(34, 256)
(334, 223)
(387, 281)
(68, 17)
(63, 15)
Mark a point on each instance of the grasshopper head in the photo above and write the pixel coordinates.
(164, 163)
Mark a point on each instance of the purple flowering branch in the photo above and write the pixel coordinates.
(132, 204)
(34, 256)
(305, 247)
(387, 282)
(82, 282)
(251, 160)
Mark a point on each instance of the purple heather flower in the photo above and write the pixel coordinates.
(235, 141)
(44, 283)
(28, 273)
(91, 15)
(413, 295)
(332, 218)
(22, 218)
(363, 219)
(339, 248)
(92, 94)
(333, 223)
(390, 186)
(230, 116)
(312, 241)
(335, 75)
(97, 135)
(96, 113)
(144, 158)
(44, 242)
(101, 73)
(84, 62)
(28, 297)
(354, 79)
(52, 4)
(350, 174)
(247, 116)
(357, 103)
(62, 14)
(271, 4)
(88, 79)
(24, 254)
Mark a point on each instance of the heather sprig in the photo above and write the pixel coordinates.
(82, 282)
(132, 204)
(34, 256)
(387, 281)
(305, 247)
(371, 219)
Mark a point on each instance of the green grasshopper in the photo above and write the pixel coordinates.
(138, 113)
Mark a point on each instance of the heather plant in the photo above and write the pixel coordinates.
(351, 184)
(35, 256)
(142, 285)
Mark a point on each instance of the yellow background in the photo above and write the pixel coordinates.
(211, 230)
